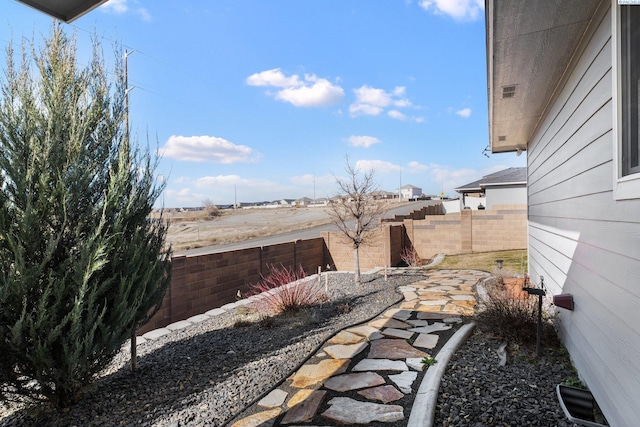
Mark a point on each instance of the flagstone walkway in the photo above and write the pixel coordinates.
(363, 370)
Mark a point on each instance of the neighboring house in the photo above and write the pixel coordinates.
(564, 80)
(384, 195)
(305, 201)
(507, 187)
(410, 192)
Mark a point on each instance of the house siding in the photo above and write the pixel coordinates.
(506, 195)
(581, 239)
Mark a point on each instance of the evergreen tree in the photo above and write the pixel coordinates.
(81, 263)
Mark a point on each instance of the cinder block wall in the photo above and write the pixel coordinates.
(435, 234)
(502, 228)
(201, 283)
(383, 249)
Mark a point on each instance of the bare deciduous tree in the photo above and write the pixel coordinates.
(355, 211)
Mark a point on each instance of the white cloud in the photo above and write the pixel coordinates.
(372, 101)
(395, 114)
(364, 109)
(449, 178)
(184, 197)
(463, 10)
(363, 141)
(310, 180)
(415, 167)
(206, 149)
(273, 77)
(120, 7)
(377, 166)
(311, 91)
(465, 112)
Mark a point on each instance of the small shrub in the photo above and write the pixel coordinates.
(242, 323)
(428, 361)
(210, 209)
(266, 322)
(280, 294)
(344, 308)
(410, 257)
(514, 318)
(574, 381)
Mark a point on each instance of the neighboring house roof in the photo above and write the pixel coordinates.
(511, 176)
(517, 31)
(65, 10)
(410, 187)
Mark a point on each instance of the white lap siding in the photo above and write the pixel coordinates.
(581, 239)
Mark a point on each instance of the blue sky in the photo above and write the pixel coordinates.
(253, 100)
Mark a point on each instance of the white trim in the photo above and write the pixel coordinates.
(624, 187)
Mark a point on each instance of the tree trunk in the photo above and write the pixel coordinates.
(134, 353)
(356, 255)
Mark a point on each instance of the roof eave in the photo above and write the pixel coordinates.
(522, 71)
(66, 11)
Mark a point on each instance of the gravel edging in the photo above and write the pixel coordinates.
(206, 373)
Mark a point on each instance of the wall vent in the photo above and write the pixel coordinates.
(502, 138)
(509, 91)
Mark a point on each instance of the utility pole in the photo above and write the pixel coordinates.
(400, 188)
(127, 89)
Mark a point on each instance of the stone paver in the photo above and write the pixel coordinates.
(415, 363)
(380, 365)
(274, 399)
(435, 327)
(306, 410)
(368, 332)
(404, 380)
(393, 349)
(385, 322)
(430, 306)
(348, 382)
(345, 410)
(261, 419)
(397, 333)
(426, 341)
(344, 337)
(299, 397)
(309, 375)
(384, 393)
(340, 351)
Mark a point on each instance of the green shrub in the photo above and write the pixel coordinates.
(82, 264)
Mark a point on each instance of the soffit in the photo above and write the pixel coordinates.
(529, 46)
(65, 10)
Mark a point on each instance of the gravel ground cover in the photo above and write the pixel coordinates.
(476, 391)
(206, 374)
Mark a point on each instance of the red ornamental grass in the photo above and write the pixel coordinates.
(280, 294)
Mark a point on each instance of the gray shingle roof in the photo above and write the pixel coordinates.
(504, 177)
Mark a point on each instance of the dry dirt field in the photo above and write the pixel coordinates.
(189, 230)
